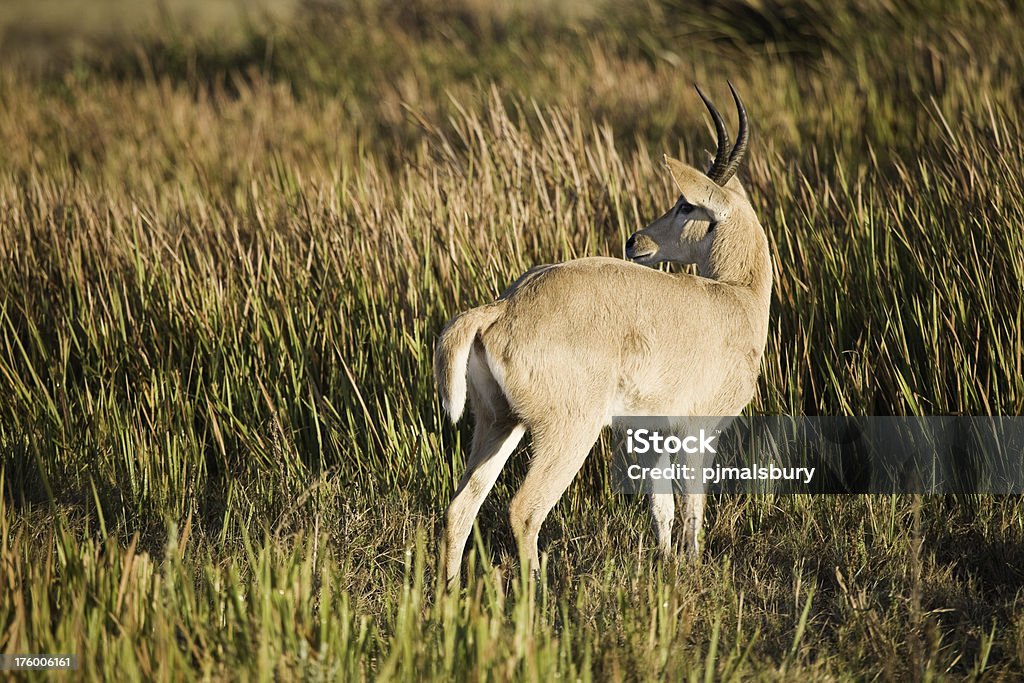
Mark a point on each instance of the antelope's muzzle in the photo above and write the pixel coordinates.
(640, 247)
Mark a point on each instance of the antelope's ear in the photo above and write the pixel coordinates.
(735, 185)
(698, 189)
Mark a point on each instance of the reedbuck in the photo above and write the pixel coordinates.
(570, 346)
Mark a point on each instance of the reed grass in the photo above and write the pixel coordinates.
(223, 264)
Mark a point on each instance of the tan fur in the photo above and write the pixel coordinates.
(570, 346)
(451, 357)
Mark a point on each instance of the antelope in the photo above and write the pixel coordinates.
(570, 346)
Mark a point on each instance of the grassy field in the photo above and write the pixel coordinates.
(226, 250)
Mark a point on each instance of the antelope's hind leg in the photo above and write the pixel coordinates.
(496, 433)
(558, 455)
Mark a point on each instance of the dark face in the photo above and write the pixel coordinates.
(682, 235)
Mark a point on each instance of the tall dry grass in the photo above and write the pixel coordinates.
(223, 265)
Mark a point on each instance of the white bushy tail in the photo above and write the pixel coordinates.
(451, 356)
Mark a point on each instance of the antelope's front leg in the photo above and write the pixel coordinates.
(693, 523)
(663, 510)
(693, 510)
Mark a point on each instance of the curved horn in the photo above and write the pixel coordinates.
(742, 139)
(722, 159)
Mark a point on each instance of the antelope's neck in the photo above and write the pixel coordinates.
(743, 263)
